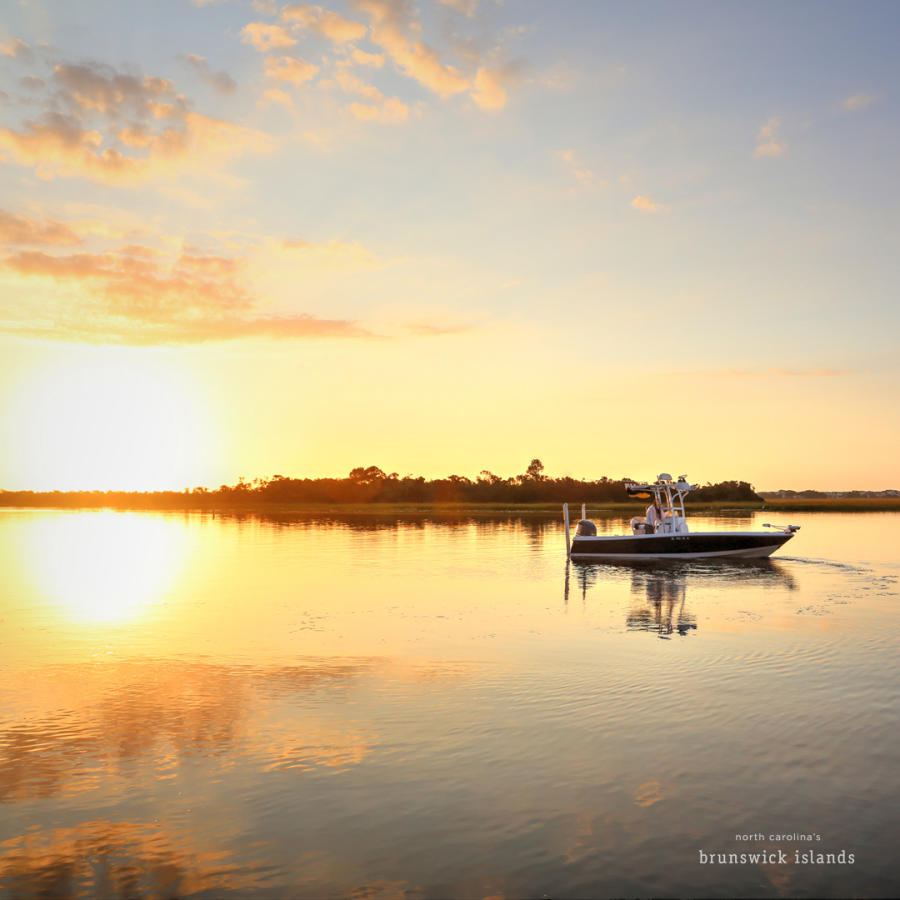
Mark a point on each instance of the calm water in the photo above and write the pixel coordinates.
(207, 706)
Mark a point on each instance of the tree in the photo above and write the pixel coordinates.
(369, 475)
(535, 470)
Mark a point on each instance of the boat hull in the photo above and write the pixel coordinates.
(679, 546)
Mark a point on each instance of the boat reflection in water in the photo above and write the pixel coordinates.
(659, 598)
(659, 589)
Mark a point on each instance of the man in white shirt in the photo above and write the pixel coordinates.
(654, 517)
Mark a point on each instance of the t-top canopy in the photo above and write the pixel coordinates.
(663, 483)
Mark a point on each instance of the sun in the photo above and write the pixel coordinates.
(108, 419)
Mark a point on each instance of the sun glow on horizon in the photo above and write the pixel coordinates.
(107, 419)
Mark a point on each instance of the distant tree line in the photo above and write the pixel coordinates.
(828, 495)
(371, 485)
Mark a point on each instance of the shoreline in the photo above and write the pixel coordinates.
(149, 503)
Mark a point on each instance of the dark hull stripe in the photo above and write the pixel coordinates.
(656, 545)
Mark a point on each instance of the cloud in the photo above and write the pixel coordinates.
(17, 49)
(393, 23)
(392, 111)
(466, 7)
(137, 296)
(360, 57)
(351, 84)
(57, 145)
(116, 128)
(31, 82)
(323, 22)
(333, 255)
(858, 101)
(425, 329)
(102, 89)
(289, 68)
(820, 372)
(581, 173)
(645, 204)
(768, 141)
(810, 373)
(19, 230)
(489, 92)
(220, 81)
(264, 37)
(276, 96)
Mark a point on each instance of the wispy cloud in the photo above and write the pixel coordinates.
(391, 111)
(24, 230)
(821, 372)
(430, 330)
(325, 22)
(137, 295)
(645, 204)
(17, 49)
(276, 96)
(335, 255)
(858, 101)
(583, 175)
(265, 37)
(290, 68)
(466, 7)
(491, 85)
(768, 141)
(353, 84)
(220, 81)
(361, 58)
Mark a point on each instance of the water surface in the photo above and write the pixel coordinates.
(206, 706)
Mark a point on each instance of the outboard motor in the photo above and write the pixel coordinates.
(586, 528)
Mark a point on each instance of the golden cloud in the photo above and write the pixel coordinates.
(360, 57)
(324, 22)
(136, 296)
(392, 111)
(23, 230)
(290, 68)
(330, 254)
(489, 92)
(264, 37)
(768, 142)
(102, 89)
(58, 145)
(90, 139)
(276, 96)
(645, 204)
(351, 84)
(393, 24)
(17, 49)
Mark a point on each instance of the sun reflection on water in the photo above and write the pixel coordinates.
(104, 567)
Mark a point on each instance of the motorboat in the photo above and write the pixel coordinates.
(663, 533)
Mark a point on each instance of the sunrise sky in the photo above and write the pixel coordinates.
(255, 238)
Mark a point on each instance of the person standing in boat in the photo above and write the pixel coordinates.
(654, 516)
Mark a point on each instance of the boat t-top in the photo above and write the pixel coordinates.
(663, 532)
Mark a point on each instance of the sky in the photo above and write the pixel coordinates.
(240, 239)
